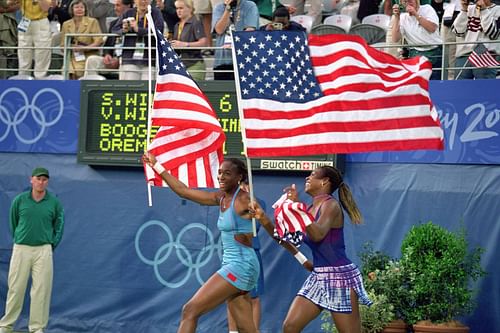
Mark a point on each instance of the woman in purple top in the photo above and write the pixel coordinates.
(335, 283)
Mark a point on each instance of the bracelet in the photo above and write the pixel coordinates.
(301, 258)
(158, 168)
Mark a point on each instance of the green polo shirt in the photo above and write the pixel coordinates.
(36, 223)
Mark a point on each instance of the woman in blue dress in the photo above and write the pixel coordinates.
(240, 267)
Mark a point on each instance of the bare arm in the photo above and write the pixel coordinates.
(396, 30)
(201, 197)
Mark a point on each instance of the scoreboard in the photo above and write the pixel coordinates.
(113, 125)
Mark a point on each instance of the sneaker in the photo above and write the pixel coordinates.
(5, 330)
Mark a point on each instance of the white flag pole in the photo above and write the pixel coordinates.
(151, 26)
(242, 125)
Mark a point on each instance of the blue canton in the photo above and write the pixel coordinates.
(275, 65)
(169, 61)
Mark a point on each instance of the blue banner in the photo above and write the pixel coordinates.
(39, 116)
(469, 111)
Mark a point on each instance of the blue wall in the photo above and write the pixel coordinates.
(125, 267)
(102, 284)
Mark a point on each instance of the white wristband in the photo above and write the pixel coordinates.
(301, 258)
(158, 168)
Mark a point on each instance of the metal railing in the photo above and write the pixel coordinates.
(61, 56)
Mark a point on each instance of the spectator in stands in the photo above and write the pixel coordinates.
(111, 57)
(281, 21)
(419, 25)
(100, 10)
(477, 24)
(314, 11)
(134, 25)
(238, 15)
(8, 38)
(368, 7)
(204, 9)
(86, 43)
(451, 11)
(189, 32)
(33, 36)
(59, 11)
(167, 8)
(266, 9)
(36, 225)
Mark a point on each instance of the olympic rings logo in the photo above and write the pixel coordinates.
(193, 262)
(20, 117)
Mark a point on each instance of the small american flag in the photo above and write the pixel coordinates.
(306, 95)
(480, 57)
(189, 141)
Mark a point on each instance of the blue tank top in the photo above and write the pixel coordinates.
(330, 251)
(230, 224)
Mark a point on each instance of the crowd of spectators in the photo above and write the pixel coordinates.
(112, 35)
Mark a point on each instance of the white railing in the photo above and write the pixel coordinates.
(63, 55)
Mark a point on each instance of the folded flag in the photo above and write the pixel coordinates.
(291, 220)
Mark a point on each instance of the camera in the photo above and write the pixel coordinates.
(128, 20)
(277, 26)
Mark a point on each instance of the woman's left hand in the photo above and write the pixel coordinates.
(149, 159)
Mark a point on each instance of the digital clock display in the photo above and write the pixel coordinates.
(113, 125)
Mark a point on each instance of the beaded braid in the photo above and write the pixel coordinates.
(345, 195)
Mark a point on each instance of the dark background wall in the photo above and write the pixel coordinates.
(125, 267)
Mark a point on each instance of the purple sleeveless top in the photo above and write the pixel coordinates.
(331, 250)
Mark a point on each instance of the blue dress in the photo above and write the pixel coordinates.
(240, 265)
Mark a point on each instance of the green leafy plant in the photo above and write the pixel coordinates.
(373, 318)
(384, 275)
(438, 268)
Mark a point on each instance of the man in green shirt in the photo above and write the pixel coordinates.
(37, 223)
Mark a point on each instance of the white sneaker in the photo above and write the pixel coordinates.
(5, 330)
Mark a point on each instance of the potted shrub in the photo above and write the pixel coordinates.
(384, 275)
(374, 318)
(439, 268)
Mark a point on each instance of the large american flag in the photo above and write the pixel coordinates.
(189, 141)
(304, 95)
(480, 57)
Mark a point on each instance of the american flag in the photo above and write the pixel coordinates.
(189, 141)
(305, 95)
(292, 219)
(480, 57)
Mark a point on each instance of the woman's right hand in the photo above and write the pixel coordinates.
(291, 193)
(395, 10)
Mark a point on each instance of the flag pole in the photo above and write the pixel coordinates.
(151, 26)
(461, 69)
(242, 126)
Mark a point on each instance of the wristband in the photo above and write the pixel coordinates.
(158, 168)
(301, 258)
